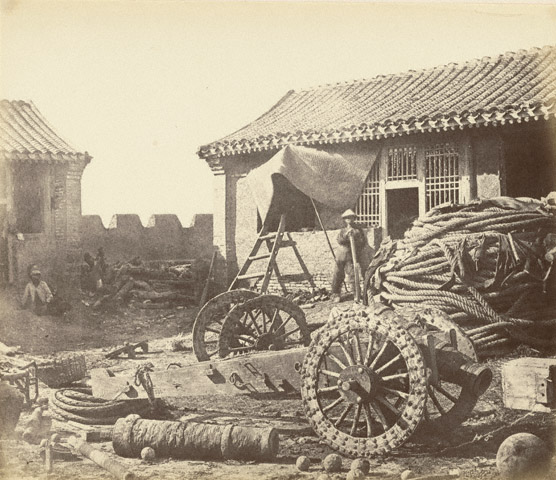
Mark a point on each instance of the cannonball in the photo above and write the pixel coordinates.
(407, 475)
(522, 455)
(332, 463)
(148, 454)
(302, 463)
(355, 474)
(361, 464)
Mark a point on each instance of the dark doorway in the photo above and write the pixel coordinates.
(530, 157)
(403, 208)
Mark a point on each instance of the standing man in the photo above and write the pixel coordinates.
(344, 254)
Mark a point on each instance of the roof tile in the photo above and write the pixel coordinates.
(27, 136)
(511, 87)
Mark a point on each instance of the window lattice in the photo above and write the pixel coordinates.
(368, 205)
(441, 174)
(401, 163)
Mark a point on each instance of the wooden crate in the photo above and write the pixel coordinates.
(528, 384)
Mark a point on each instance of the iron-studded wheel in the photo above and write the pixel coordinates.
(364, 383)
(268, 322)
(448, 403)
(209, 320)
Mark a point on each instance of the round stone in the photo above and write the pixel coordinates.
(361, 464)
(332, 463)
(355, 475)
(148, 454)
(302, 463)
(522, 456)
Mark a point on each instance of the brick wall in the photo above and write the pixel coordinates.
(163, 238)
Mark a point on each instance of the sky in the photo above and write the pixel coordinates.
(140, 85)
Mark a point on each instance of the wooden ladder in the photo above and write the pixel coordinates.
(274, 241)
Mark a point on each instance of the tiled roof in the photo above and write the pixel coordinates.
(490, 91)
(26, 135)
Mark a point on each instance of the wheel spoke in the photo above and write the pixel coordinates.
(287, 334)
(333, 404)
(336, 360)
(254, 323)
(333, 388)
(380, 414)
(358, 348)
(435, 401)
(343, 416)
(355, 420)
(273, 320)
(390, 363)
(329, 373)
(348, 356)
(447, 394)
(368, 417)
(396, 376)
(389, 406)
(283, 324)
(369, 350)
(398, 393)
(379, 354)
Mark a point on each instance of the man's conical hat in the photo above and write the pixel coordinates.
(349, 213)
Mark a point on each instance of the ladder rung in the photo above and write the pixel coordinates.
(287, 243)
(251, 275)
(258, 257)
(268, 236)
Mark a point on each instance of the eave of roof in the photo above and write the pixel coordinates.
(511, 88)
(26, 136)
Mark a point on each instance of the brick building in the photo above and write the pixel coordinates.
(40, 195)
(452, 133)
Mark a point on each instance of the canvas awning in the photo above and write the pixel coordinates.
(332, 179)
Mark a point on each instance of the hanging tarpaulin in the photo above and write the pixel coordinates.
(332, 179)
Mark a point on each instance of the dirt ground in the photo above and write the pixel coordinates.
(471, 448)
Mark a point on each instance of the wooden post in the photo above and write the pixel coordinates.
(357, 292)
(204, 295)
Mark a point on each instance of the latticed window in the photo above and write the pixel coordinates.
(401, 163)
(368, 206)
(441, 174)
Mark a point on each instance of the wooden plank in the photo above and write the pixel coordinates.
(261, 372)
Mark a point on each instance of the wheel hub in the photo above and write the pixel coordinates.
(264, 341)
(357, 384)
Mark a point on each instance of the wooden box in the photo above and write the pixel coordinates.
(528, 384)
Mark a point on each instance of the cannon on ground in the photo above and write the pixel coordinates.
(368, 378)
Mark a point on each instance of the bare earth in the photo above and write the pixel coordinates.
(469, 448)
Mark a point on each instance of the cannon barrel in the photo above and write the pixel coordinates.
(456, 368)
(193, 440)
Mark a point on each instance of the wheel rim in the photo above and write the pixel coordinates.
(268, 322)
(364, 385)
(209, 320)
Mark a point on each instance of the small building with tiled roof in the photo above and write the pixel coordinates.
(452, 133)
(40, 195)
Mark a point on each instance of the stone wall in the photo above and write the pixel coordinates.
(164, 237)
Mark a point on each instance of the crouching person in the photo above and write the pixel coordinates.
(37, 294)
(39, 298)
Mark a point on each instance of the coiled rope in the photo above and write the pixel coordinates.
(504, 298)
(78, 405)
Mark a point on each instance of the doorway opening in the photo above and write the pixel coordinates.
(403, 208)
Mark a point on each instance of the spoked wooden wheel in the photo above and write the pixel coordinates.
(364, 384)
(268, 322)
(449, 403)
(209, 320)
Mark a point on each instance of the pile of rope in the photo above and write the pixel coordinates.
(487, 264)
(78, 405)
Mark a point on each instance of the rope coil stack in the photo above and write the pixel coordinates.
(487, 264)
